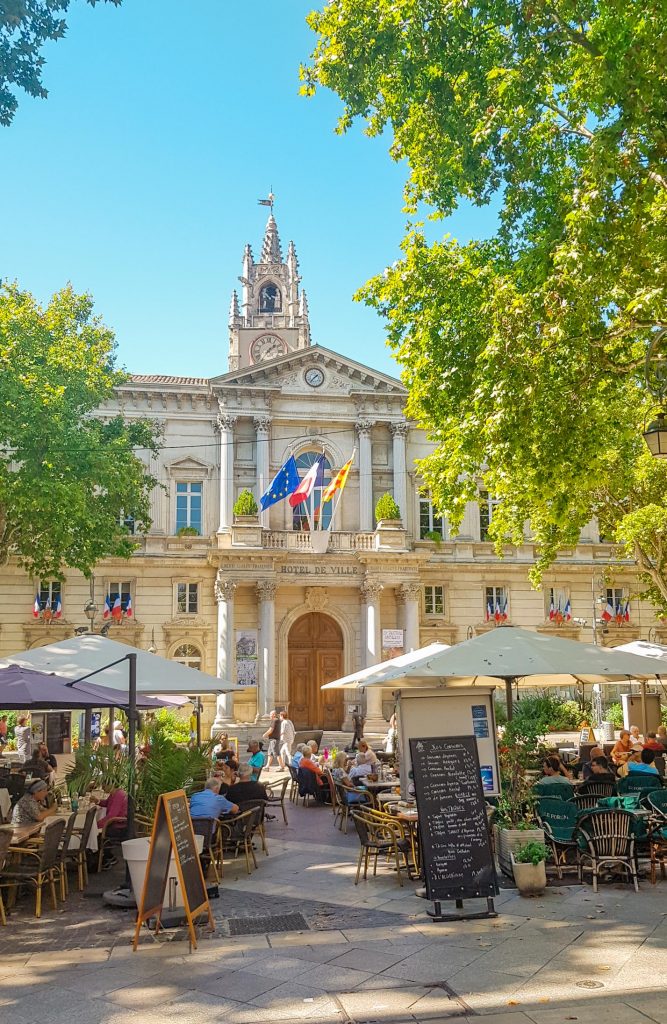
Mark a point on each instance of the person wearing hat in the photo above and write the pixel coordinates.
(256, 759)
(30, 808)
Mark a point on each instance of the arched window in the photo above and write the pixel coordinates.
(311, 509)
(270, 299)
(188, 655)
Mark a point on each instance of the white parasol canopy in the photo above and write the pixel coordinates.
(374, 672)
(81, 655)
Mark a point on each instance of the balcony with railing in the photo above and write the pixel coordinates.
(298, 540)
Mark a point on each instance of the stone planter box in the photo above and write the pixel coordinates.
(531, 879)
(508, 841)
(246, 532)
(389, 535)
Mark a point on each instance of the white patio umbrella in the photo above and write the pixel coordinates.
(374, 672)
(510, 654)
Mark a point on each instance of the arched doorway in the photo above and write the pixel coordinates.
(315, 657)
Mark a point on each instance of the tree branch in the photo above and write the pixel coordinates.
(581, 129)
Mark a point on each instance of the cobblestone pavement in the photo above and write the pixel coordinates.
(369, 955)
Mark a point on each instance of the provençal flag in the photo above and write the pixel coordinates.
(339, 481)
(284, 482)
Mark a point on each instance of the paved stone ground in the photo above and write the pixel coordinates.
(370, 953)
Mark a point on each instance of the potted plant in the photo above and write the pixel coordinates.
(386, 510)
(245, 507)
(389, 532)
(187, 531)
(514, 825)
(529, 868)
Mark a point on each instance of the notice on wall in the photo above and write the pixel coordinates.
(246, 657)
(392, 638)
(480, 721)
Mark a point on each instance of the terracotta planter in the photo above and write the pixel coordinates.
(531, 879)
(508, 841)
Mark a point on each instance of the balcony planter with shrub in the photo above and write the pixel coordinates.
(389, 532)
(529, 868)
(245, 508)
(246, 529)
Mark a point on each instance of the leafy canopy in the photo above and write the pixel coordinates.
(67, 477)
(524, 352)
(25, 26)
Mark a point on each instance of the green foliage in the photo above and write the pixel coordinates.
(245, 504)
(532, 853)
(500, 711)
(171, 724)
(66, 476)
(523, 352)
(387, 508)
(25, 26)
(11, 722)
(187, 531)
(614, 714)
(434, 536)
(518, 752)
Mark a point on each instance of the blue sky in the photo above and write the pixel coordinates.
(138, 178)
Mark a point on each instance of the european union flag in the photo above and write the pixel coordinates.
(284, 482)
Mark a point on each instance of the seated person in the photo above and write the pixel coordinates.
(36, 766)
(116, 806)
(339, 774)
(653, 743)
(635, 734)
(46, 756)
(365, 755)
(314, 749)
(256, 759)
(361, 771)
(661, 735)
(587, 769)
(223, 753)
(246, 788)
(644, 763)
(307, 764)
(297, 755)
(209, 803)
(30, 808)
(622, 748)
(600, 771)
(553, 773)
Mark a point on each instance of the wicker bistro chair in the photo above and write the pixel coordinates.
(39, 867)
(113, 831)
(236, 833)
(638, 782)
(277, 791)
(588, 794)
(208, 828)
(406, 832)
(60, 869)
(380, 837)
(76, 852)
(606, 838)
(294, 783)
(5, 840)
(259, 828)
(349, 798)
(559, 819)
(555, 789)
(657, 832)
(335, 804)
(309, 786)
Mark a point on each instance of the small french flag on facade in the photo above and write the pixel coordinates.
(58, 610)
(128, 607)
(36, 608)
(107, 607)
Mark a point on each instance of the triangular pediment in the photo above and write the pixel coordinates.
(287, 374)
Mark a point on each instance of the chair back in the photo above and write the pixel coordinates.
(53, 834)
(234, 829)
(585, 801)
(87, 827)
(5, 840)
(558, 817)
(555, 789)
(596, 789)
(307, 783)
(205, 827)
(277, 789)
(361, 823)
(258, 807)
(657, 801)
(67, 834)
(659, 762)
(293, 772)
(332, 788)
(638, 782)
(609, 832)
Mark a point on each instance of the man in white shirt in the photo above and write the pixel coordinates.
(287, 734)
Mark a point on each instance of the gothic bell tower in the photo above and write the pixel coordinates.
(272, 316)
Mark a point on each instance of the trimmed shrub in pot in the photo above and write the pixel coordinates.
(529, 868)
(245, 504)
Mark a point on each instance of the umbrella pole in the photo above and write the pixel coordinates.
(87, 724)
(198, 721)
(508, 697)
(642, 690)
(131, 740)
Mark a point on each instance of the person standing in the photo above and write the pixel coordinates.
(23, 735)
(272, 734)
(287, 736)
(3, 730)
(358, 723)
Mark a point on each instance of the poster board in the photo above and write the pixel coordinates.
(454, 711)
(453, 828)
(246, 657)
(173, 832)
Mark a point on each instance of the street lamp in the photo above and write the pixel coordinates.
(655, 375)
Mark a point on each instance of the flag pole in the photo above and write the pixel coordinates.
(340, 495)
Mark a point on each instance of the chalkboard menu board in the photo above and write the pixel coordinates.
(173, 833)
(456, 851)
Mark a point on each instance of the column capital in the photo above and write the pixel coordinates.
(364, 427)
(225, 421)
(262, 424)
(266, 590)
(408, 592)
(224, 588)
(370, 590)
(399, 429)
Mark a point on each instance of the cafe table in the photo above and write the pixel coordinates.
(377, 787)
(20, 833)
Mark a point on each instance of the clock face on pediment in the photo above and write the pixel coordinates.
(269, 346)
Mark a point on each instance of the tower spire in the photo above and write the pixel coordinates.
(271, 245)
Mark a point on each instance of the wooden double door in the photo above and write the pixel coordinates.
(315, 657)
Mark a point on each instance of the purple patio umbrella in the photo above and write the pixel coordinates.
(24, 688)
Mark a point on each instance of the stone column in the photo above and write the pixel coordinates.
(266, 594)
(364, 428)
(408, 596)
(372, 634)
(224, 595)
(262, 428)
(225, 424)
(399, 433)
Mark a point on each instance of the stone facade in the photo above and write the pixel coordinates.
(259, 600)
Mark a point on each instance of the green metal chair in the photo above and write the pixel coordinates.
(559, 820)
(554, 789)
(657, 832)
(606, 839)
(638, 782)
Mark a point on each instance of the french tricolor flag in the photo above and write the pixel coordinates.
(567, 615)
(128, 608)
(107, 607)
(36, 608)
(117, 610)
(313, 478)
(58, 610)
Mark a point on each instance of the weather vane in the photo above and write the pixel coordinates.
(269, 201)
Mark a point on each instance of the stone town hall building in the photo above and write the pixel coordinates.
(254, 602)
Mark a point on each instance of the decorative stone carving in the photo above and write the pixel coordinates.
(262, 424)
(317, 599)
(399, 429)
(225, 421)
(364, 427)
(224, 588)
(408, 592)
(370, 590)
(266, 590)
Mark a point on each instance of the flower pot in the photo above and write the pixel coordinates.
(531, 879)
(508, 841)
